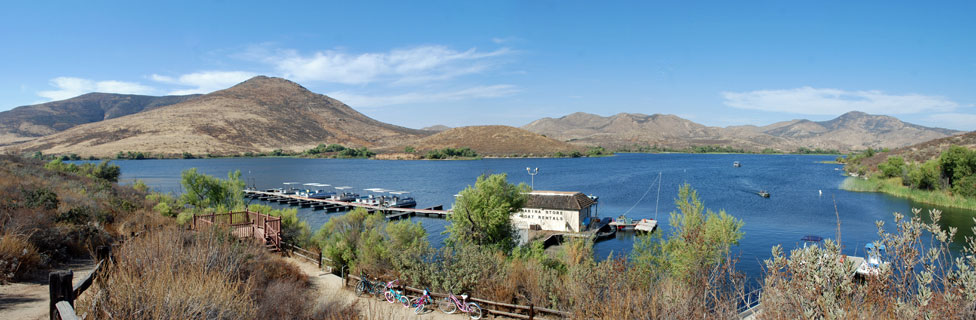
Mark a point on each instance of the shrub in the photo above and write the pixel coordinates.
(17, 257)
(892, 167)
(482, 213)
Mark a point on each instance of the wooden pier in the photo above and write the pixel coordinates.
(335, 206)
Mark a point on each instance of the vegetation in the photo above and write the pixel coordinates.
(482, 213)
(451, 153)
(103, 170)
(948, 180)
(921, 280)
(721, 149)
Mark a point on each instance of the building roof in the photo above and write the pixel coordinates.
(558, 200)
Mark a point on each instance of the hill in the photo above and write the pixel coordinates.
(494, 141)
(851, 131)
(29, 122)
(923, 151)
(436, 128)
(258, 115)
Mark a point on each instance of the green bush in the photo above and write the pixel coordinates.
(893, 167)
(482, 213)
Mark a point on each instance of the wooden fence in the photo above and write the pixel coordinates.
(491, 307)
(63, 293)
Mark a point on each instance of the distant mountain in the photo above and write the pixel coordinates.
(495, 141)
(436, 128)
(258, 115)
(29, 122)
(851, 131)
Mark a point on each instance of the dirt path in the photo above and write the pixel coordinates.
(29, 300)
(331, 288)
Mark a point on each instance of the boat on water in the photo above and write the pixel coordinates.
(646, 225)
(372, 199)
(736, 164)
(875, 260)
(342, 195)
(398, 200)
(763, 193)
(623, 223)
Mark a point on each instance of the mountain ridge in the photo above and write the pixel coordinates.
(850, 131)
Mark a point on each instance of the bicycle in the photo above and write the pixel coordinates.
(395, 296)
(451, 304)
(366, 286)
(420, 303)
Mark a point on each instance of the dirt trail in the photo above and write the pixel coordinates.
(29, 300)
(330, 288)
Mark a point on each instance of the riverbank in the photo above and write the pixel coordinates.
(893, 186)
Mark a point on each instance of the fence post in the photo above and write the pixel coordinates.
(531, 311)
(320, 259)
(102, 252)
(60, 286)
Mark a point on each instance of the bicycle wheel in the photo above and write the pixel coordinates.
(389, 297)
(447, 306)
(474, 310)
(404, 301)
(420, 305)
(360, 288)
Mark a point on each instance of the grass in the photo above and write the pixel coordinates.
(894, 187)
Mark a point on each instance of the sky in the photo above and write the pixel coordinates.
(421, 63)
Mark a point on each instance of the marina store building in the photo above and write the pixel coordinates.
(564, 211)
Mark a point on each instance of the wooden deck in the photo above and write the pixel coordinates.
(335, 206)
(246, 225)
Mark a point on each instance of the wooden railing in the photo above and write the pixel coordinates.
(244, 224)
(492, 307)
(308, 255)
(63, 293)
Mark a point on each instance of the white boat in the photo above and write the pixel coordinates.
(872, 265)
(646, 225)
(342, 195)
(399, 200)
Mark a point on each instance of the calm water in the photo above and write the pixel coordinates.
(796, 207)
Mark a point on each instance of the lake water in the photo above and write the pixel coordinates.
(803, 191)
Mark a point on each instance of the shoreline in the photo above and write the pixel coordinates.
(889, 187)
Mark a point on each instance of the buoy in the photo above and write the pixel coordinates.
(821, 192)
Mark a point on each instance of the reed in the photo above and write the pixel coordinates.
(893, 186)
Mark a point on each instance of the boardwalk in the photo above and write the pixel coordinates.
(335, 205)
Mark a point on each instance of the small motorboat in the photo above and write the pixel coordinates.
(736, 164)
(623, 223)
(646, 225)
(872, 265)
(399, 200)
(344, 196)
(763, 194)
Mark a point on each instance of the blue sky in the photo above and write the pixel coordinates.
(457, 63)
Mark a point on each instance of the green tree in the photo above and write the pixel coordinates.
(893, 167)
(700, 239)
(482, 214)
(957, 162)
(203, 191)
(409, 149)
(356, 240)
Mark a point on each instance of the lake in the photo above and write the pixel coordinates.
(803, 191)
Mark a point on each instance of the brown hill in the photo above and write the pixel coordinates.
(28, 122)
(258, 115)
(923, 151)
(494, 141)
(851, 131)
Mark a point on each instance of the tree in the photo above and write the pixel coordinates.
(482, 214)
(700, 240)
(957, 163)
(893, 167)
(204, 191)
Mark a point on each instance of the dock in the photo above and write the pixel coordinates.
(329, 205)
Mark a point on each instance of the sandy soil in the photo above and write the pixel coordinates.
(29, 300)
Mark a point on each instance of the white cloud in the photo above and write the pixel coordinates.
(807, 100)
(398, 66)
(69, 87)
(204, 81)
(958, 121)
(479, 92)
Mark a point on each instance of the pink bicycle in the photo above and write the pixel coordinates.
(451, 304)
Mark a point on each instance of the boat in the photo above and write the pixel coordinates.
(763, 194)
(399, 200)
(646, 225)
(341, 195)
(736, 164)
(372, 199)
(623, 223)
(875, 260)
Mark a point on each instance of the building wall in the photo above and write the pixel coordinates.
(548, 219)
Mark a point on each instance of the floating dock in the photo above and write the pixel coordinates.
(335, 206)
